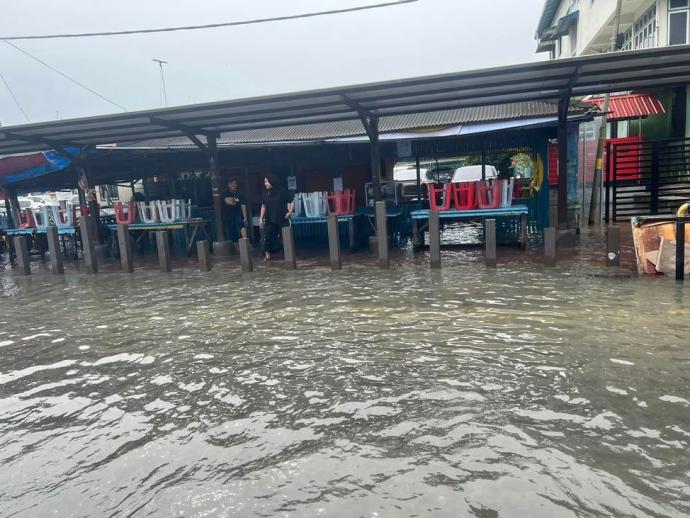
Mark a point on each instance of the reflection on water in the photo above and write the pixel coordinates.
(464, 392)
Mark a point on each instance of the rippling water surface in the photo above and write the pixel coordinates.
(464, 392)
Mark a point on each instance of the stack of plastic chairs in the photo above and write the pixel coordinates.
(315, 204)
(166, 210)
(26, 219)
(299, 205)
(148, 212)
(490, 194)
(41, 218)
(183, 209)
(62, 216)
(445, 194)
(507, 193)
(123, 216)
(465, 195)
(341, 202)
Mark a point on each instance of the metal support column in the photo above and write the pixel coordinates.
(434, 240)
(22, 250)
(680, 249)
(220, 246)
(563, 104)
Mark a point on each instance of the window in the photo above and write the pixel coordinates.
(678, 22)
(642, 34)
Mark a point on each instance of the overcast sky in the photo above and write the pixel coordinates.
(426, 37)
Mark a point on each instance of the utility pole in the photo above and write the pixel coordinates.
(164, 96)
(595, 201)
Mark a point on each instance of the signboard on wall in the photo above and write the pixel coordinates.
(292, 183)
(404, 148)
(338, 184)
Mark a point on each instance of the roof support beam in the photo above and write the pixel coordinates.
(31, 139)
(370, 122)
(190, 133)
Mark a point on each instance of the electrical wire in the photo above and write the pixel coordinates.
(66, 76)
(211, 25)
(14, 97)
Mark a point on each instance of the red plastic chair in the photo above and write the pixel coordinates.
(489, 195)
(26, 219)
(445, 194)
(341, 202)
(123, 216)
(465, 195)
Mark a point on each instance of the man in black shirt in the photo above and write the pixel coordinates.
(235, 211)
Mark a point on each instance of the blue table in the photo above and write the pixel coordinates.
(420, 219)
(345, 218)
(40, 244)
(190, 228)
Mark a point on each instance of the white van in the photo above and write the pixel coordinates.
(473, 173)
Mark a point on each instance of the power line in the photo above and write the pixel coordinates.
(16, 101)
(211, 25)
(66, 76)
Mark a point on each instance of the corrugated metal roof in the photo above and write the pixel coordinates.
(630, 106)
(661, 67)
(351, 128)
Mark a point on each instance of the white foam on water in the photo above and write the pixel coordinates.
(642, 404)
(84, 347)
(284, 338)
(456, 383)
(353, 361)
(230, 399)
(157, 318)
(270, 383)
(102, 326)
(6, 342)
(158, 405)
(622, 362)
(13, 375)
(203, 356)
(57, 340)
(616, 390)
(184, 337)
(125, 357)
(161, 380)
(216, 370)
(489, 387)
(313, 393)
(548, 368)
(37, 335)
(112, 399)
(674, 399)
(192, 387)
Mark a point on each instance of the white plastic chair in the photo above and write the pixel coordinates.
(507, 192)
(148, 212)
(314, 204)
(183, 209)
(166, 210)
(298, 205)
(41, 217)
(62, 217)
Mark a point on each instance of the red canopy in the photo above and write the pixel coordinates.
(630, 106)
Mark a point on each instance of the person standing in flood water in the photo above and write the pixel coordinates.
(277, 205)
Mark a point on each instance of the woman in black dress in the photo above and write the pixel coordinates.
(277, 206)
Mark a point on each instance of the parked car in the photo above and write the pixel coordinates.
(407, 177)
(473, 173)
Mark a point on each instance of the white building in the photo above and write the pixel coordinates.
(570, 28)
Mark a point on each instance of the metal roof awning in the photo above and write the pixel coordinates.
(630, 105)
(561, 28)
(546, 80)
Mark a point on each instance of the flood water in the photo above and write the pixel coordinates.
(466, 392)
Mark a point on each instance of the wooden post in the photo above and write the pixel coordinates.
(334, 242)
(163, 245)
(490, 241)
(375, 157)
(289, 248)
(245, 255)
(220, 246)
(613, 246)
(56, 265)
(22, 250)
(86, 228)
(382, 234)
(680, 249)
(550, 247)
(434, 239)
(203, 255)
(125, 245)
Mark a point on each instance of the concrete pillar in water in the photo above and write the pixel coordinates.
(87, 243)
(53, 238)
(550, 246)
(125, 245)
(163, 245)
(202, 254)
(56, 265)
(22, 250)
(490, 241)
(382, 235)
(334, 243)
(613, 246)
(246, 255)
(434, 239)
(289, 248)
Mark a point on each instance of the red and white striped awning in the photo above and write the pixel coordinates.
(629, 105)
